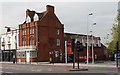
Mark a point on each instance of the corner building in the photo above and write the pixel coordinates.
(41, 37)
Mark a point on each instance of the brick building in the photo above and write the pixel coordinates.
(41, 36)
(99, 48)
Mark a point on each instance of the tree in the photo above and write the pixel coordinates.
(115, 34)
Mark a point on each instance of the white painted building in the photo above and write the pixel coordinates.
(8, 40)
(0, 42)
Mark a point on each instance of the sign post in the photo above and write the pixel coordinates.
(65, 51)
(117, 53)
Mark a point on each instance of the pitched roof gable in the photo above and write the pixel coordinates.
(40, 15)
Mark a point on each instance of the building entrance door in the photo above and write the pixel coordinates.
(28, 57)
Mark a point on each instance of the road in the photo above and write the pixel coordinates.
(32, 68)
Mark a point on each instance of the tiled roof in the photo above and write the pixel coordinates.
(79, 35)
(41, 14)
(32, 13)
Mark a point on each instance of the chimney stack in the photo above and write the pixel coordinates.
(50, 8)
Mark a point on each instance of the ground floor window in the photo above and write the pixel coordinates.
(33, 54)
(21, 54)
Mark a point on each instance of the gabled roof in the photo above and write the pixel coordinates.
(68, 35)
(32, 13)
(40, 15)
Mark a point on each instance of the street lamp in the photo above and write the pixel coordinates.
(107, 38)
(16, 42)
(92, 44)
(87, 38)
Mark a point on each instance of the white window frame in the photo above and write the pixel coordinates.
(33, 42)
(30, 42)
(33, 30)
(22, 32)
(58, 32)
(30, 31)
(25, 32)
(58, 42)
(23, 42)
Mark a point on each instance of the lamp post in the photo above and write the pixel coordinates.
(15, 43)
(87, 39)
(107, 38)
(92, 45)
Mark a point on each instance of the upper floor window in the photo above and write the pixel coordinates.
(96, 41)
(25, 32)
(15, 38)
(30, 42)
(58, 32)
(58, 42)
(33, 41)
(23, 43)
(33, 30)
(84, 41)
(22, 32)
(30, 31)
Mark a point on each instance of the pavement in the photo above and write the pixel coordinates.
(111, 64)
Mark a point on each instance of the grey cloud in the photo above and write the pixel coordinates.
(72, 14)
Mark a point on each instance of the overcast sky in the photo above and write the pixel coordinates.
(72, 14)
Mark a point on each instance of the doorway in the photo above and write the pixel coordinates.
(28, 57)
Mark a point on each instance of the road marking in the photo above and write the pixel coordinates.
(37, 70)
(1, 71)
(49, 70)
(8, 72)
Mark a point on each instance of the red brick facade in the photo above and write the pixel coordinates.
(99, 51)
(46, 32)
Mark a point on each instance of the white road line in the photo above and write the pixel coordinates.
(37, 70)
(49, 70)
(1, 71)
(8, 72)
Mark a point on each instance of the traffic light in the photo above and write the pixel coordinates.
(73, 40)
(79, 46)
